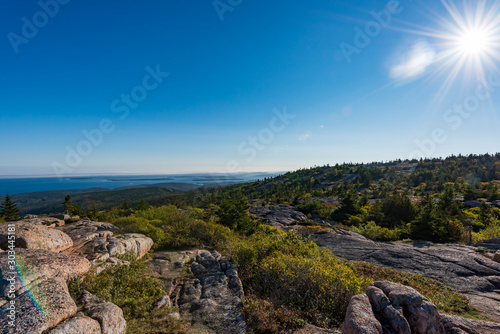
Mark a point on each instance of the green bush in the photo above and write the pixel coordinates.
(140, 225)
(374, 232)
(132, 289)
(491, 231)
(315, 207)
(172, 228)
(289, 270)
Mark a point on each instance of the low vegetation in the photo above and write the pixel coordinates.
(134, 291)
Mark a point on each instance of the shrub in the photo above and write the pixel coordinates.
(374, 232)
(491, 231)
(315, 207)
(134, 291)
(294, 272)
(140, 225)
(262, 317)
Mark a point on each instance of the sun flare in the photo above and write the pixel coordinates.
(474, 42)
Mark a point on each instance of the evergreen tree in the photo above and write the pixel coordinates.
(447, 198)
(125, 206)
(93, 212)
(142, 205)
(68, 205)
(9, 210)
(427, 225)
(77, 211)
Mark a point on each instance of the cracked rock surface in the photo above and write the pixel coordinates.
(460, 267)
(208, 294)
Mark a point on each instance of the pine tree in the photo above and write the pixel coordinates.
(9, 209)
(142, 205)
(68, 205)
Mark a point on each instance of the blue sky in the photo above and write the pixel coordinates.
(229, 79)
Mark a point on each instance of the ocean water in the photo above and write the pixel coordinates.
(26, 185)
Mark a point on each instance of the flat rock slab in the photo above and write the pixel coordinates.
(210, 302)
(104, 248)
(459, 325)
(458, 266)
(278, 215)
(169, 264)
(33, 234)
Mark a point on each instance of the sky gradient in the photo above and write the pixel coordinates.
(179, 86)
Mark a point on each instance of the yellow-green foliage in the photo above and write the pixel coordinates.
(140, 225)
(491, 231)
(134, 291)
(2, 220)
(374, 232)
(289, 270)
(172, 228)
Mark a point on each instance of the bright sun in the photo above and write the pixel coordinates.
(474, 42)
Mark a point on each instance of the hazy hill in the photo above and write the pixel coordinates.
(50, 201)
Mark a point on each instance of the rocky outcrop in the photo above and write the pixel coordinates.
(210, 302)
(79, 324)
(95, 241)
(458, 325)
(491, 244)
(62, 217)
(43, 303)
(35, 263)
(33, 234)
(496, 256)
(38, 282)
(85, 230)
(278, 216)
(388, 308)
(109, 316)
(104, 248)
(460, 267)
(360, 318)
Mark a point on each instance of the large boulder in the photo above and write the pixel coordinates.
(393, 308)
(37, 281)
(33, 264)
(42, 304)
(79, 324)
(422, 316)
(382, 305)
(33, 234)
(109, 316)
(360, 318)
(496, 256)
